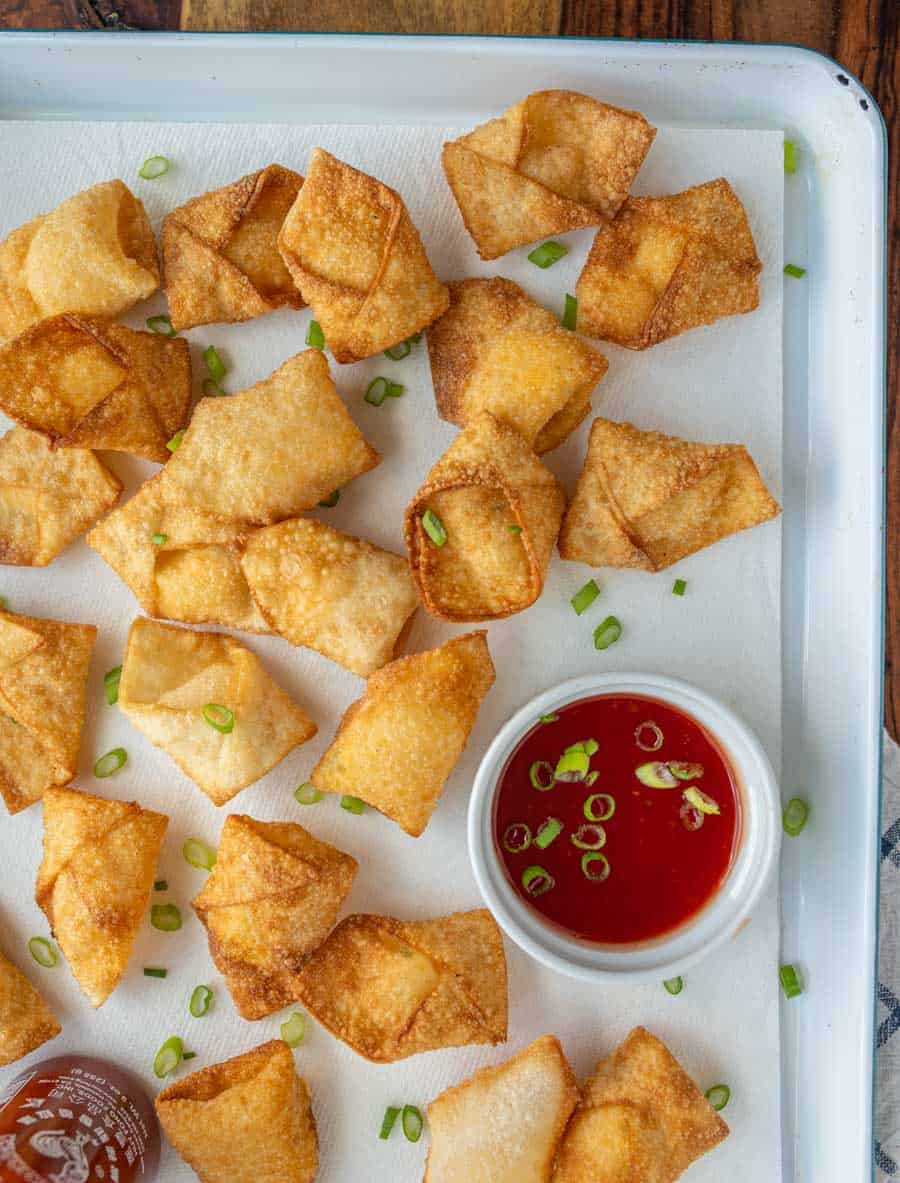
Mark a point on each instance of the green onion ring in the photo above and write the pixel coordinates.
(541, 776)
(198, 854)
(790, 156)
(591, 778)
(674, 985)
(590, 836)
(547, 254)
(718, 1096)
(412, 1123)
(110, 762)
(161, 325)
(399, 351)
(548, 718)
(152, 972)
(153, 167)
(307, 794)
(794, 271)
(159, 539)
(189, 1056)
(607, 633)
(700, 800)
(595, 866)
(679, 587)
(514, 529)
(168, 1057)
(655, 743)
(165, 917)
(548, 831)
(570, 314)
(219, 717)
(656, 774)
(214, 363)
(790, 981)
(692, 818)
(434, 527)
(795, 816)
(387, 1122)
(331, 500)
(585, 596)
(685, 769)
(516, 837)
(352, 804)
(609, 807)
(573, 765)
(111, 681)
(175, 442)
(536, 880)
(315, 338)
(293, 1029)
(201, 1001)
(376, 392)
(43, 952)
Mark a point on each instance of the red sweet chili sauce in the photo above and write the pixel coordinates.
(665, 860)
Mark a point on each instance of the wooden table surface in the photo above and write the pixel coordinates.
(861, 34)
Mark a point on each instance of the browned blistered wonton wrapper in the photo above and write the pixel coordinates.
(495, 349)
(647, 500)
(43, 671)
(272, 898)
(26, 1021)
(247, 1120)
(640, 1117)
(86, 383)
(396, 746)
(169, 675)
(555, 161)
(526, 1100)
(353, 252)
(220, 251)
(94, 253)
(95, 880)
(48, 498)
(669, 264)
(337, 594)
(392, 988)
(501, 510)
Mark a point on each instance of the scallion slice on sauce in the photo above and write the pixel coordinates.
(388, 1121)
(43, 952)
(198, 854)
(679, 587)
(790, 981)
(547, 254)
(315, 338)
(718, 1096)
(220, 718)
(791, 156)
(161, 325)
(595, 866)
(516, 837)
(537, 880)
(331, 500)
(591, 836)
(585, 596)
(648, 736)
(152, 971)
(161, 885)
(434, 527)
(201, 1001)
(412, 1123)
(293, 1029)
(159, 539)
(175, 442)
(153, 167)
(165, 917)
(591, 778)
(307, 794)
(674, 985)
(574, 763)
(794, 271)
(795, 816)
(691, 817)
(685, 769)
(549, 718)
(700, 800)
(111, 681)
(541, 776)
(352, 804)
(214, 363)
(548, 831)
(607, 632)
(656, 775)
(168, 1057)
(599, 807)
(570, 313)
(110, 762)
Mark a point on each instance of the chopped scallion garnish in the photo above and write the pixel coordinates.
(573, 764)
(315, 338)
(516, 837)
(387, 1122)
(514, 529)
(541, 776)
(718, 1096)
(352, 804)
(214, 363)
(795, 816)
(151, 971)
(607, 633)
(599, 807)
(153, 167)
(175, 442)
(161, 325)
(412, 1123)
(547, 254)
(198, 854)
(700, 800)
(161, 885)
(570, 313)
(656, 775)
(219, 717)
(201, 1001)
(159, 539)
(110, 763)
(589, 837)
(376, 392)
(679, 587)
(790, 981)
(648, 736)
(674, 985)
(168, 1057)
(307, 794)
(794, 271)
(536, 880)
(790, 156)
(403, 348)
(212, 389)
(331, 500)
(111, 681)
(165, 917)
(551, 718)
(595, 866)
(585, 596)
(189, 1056)
(434, 527)
(548, 831)
(293, 1029)
(43, 952)
(4, 604)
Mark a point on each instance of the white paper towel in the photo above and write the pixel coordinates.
(721, 383)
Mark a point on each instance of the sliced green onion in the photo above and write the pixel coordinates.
(679, 587)
(315, 338)
(589, 745)
(399, 351)
(395, 389)
(165, 917)
(570, 314)
(718, 1096)
(651, 742)
(161, 885)
(331, 500)
(214, 363)
(434, 527)
(198, 854)
(684, 769)
(794, 271)
(201, 1001)
(691, 817)
(159, 539)
(307, 794)
(795, 816)
(548, 831)
(219, 717)
(175, 442)
(293, 1029)
(352, 804)
(549, 718)
(572, 765)
(376, 392)
(607, 633)
(701, 800)
(790, 981)
(161, 325)
(43, 952)
(153, 167)
(589, 837)
(110, 763)
(585, 596)
(111, 681)
(514, 529)
(516, 837)
(168, 1057)
(656, 775)
(602, 813)
(591, 778)
(387, 1122)
(189, 1056)
(536, 880)
(547, 254)
(674, 985)
(412, 1123)
(790, 156)
(595, 866)
(212, 389)
(541, 776)
(152, 972)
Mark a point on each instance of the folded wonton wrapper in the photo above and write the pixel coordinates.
(358, 260)
(392, 988)
(396, 746)
(640, 1117)
(502, 1125)
(95, 880)
(669, 264)
(26, 1021)
(220, 251)
(272, 898)
(47, 497)
(254, 458)
(495, 349)
(171, 674)
(85, 383)
(247, 1120)
(337, 594)
(647, 500)
(501, 510)
(553, 162)
(43, 671)
(94, 253)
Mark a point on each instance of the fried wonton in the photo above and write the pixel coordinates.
(397, 745)
(86, 383)
(26, 1021)
(342, 596)
(47, 497)
(247, 1120)
(43, 671)
(495, 349)
(358, 260)
(669, 264)
(207, 700)
(272, 898)
(95, 253)
(393, 988)
(220, 251)
(499, 509)
(527, 1099)
(555, 161)
(640, 1117)
(647, 500)
(95, 880)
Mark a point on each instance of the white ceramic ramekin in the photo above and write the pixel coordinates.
(725, 913)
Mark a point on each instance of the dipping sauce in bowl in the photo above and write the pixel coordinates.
(617, 819)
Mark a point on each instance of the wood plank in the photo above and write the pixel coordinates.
(89, 14)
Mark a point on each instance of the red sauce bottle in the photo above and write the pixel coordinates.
(75, 1119)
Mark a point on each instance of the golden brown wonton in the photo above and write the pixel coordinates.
(669, 264)
(495, 349)
(94, 253)
(358, 260)
(555, 161)
(170, 676)
(272, 898)
(47, 497)
(500, 510)
(397, 745)
(86, 383)
(95, 880)
(337, 594)
(43, 671)
(247, 1120)
(26, 1021)
(527, 1100)
(220, 251)
(392, 988)
(647, 500)
(641, 1117)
